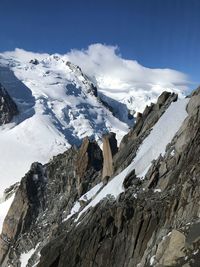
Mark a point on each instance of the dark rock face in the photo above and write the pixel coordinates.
(144, 123)
(45, 197)
(8, 108)
(34, 61)
(90, 88)
(154, 222)
(25, 208)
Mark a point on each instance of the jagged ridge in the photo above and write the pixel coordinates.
(155, 221)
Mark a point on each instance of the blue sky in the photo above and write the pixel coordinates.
(156, 33)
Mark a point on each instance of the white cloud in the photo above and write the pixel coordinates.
(126, 80)
(103, 60)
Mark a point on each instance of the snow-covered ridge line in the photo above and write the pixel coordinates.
(152, 147)
(124, 80)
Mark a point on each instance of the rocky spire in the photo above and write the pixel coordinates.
(109, 150)
(89, 160)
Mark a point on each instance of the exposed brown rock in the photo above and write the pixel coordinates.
(170, 249)
(109, 150)
(89, 159)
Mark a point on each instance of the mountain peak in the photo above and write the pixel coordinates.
(58, 107)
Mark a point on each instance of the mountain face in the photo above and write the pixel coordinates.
(57, 106)
(132, 205)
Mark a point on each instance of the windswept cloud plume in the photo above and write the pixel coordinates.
(103, 60)
(126, 80)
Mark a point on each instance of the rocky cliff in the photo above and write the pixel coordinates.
(154, 221)
(8, 108)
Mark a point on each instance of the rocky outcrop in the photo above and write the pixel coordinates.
(24, 210)
(144, 123)
(154, 222)
(34, 61)
(87, 84)
(170, 249)
(45, 198)
(89, 162)
(109, 150)
(8, 108)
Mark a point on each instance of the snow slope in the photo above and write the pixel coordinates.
(153, 145)
(57, 107)
(25, 257)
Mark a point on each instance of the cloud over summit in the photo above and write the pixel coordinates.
(103, 60)
(126, 80)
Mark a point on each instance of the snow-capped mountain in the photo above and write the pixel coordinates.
(139, 199)
(58, 107)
